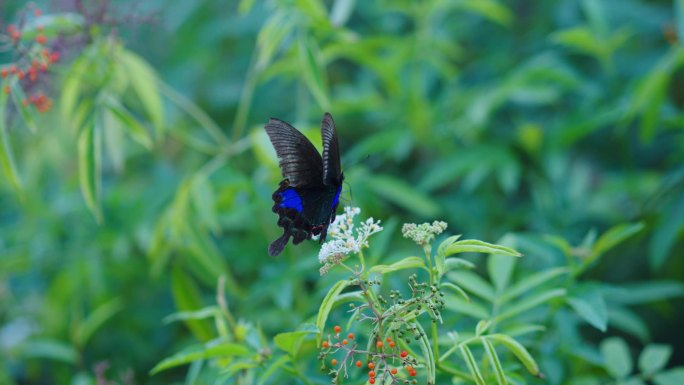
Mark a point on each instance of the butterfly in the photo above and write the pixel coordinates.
(307, 199)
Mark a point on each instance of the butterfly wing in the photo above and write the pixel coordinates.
(332, 173)
(299, 160)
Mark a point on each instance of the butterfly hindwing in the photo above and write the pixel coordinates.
(307, 206)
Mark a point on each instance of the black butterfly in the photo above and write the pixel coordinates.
(307, 198)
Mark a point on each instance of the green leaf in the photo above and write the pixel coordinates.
(475, 246)
(647, 292)
(526, 284)
(50, 349)
(187, 297)
(666, 233)
(266, 374)
(518, 350)
(198, 352)
(472, 309)
(207, 312)
(472, 364)
(494, 359)
(616, 357)
(327, 305)
(290, 342)
(143, 79)
(588, 303)
(6, 157)
(95, 320)
(490, 9)
(428, 354)
(529, 303)
(403, 195)
(653, 358)
(457, 289)
(313, 71)
(612, 238)
(440, 263)
(406, 263)
(130, 123)
(582, 40)
(671, 377)
(457, 264)
(90, 167)
(482, 327)
(500, 268)
(628, 321)
(473, 283)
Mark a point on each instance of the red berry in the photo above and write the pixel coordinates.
(20, 74)
(371, 365)
(371, 381)
(359, 364)
(393, 371)
(350, 336)
(325, 344)
(333, 362)
(11, 28)
(43, 67)
(13, 69)
(403, 354)
(37, 12)
(379, 344)
(412, 373)
(371, 374)
(337, 329)
(15, 35)
(4, 73)
(41, 39)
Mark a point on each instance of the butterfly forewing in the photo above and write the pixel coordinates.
(299, 160)
(332, 173)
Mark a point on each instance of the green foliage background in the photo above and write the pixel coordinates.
(552, 120)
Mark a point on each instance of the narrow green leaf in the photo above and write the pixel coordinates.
(472, 364)
(665, 233)
(500, 269)
(327, 305)
(340, 12)
(457, 264)
(198, 352)
(613, 237)
(403, 195)
(440, 263)
(490, 9)
(280, 362)
(143, 79)
(95, 320)
(406, 263)
(428, 354)
(475, 246)
(457, 289)
(472, 309)
(204, 313)
(187, 297)
(441, 250)
(50, 349)
(628, 321)
(646, 292)
(670, 377)
(482, 327)
(654, 358)
(6, 157)
(90, 167)
(134, 128)
(518, 350)
(473, 283)
(528, 283)
(494, 359)
(311, 68)
(529, 303)
(616, 356)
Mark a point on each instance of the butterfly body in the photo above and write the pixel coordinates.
(307, 198)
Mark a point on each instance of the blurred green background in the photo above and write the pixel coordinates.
(537, 118)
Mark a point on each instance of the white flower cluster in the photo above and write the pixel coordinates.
(345, 239)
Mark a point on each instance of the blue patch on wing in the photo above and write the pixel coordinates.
(336, 200)
(291, 200)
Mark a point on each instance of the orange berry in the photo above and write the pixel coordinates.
(392, 344)
(388, 339)
(325, 344)
(41, 39)
(20, 74)
(393, 371)
(403, 354)
(379, 344)
(371, 381)
(345, 342)
(333, 362)
(371, 365)
(359, 364)
(371, 374)
(409, 368)
(4, 72)
(350, 336)
(337, 329)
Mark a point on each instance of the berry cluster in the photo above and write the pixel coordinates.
(383, 360)
(34, 59)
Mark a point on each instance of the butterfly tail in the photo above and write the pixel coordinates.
(278, 245)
